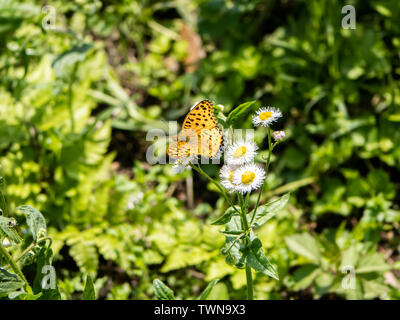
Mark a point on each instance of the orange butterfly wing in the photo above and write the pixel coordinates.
(200, 134)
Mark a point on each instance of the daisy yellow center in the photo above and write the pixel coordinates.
(240, 152)
(265, 115)
(248, 177)
(231, 176)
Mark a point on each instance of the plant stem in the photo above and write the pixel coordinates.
(245, 226)
(16, 268)
(32, 245)
(249, 280)
(199, 170)
(270, 148)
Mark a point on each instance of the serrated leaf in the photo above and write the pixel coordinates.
(183, 256)
(269, 210)
(225, 218)
(7, 230)
(162, 291)
(258, 261)
(35, 221)
(85, 256)
(89, 292)
(239, 112)
(207, 290)
(304, 245)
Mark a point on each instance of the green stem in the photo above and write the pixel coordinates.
(270, 148)
(16, 268)
(249, 280)
(199, 170)
(245, 226)
(32, 245)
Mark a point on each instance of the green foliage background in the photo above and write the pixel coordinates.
(76, 102)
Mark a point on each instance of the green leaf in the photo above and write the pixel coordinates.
(233, 233)
(225, 218)
(35, 221)
(239, 113)
(89, 292)
(9, 282)
(374, 288)
(304, 245)
(19, 295)
(219, 292)
(304, 276)
(7, 230)
(207, 290)
(258, 261)
(162, 291)
(266, 212)
(235, 256)
(349, 256)
(85, 255)
(66, 60)
(183, 256)
(374, 262)
(323, 283)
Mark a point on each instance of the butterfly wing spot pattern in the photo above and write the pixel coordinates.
(200, 134)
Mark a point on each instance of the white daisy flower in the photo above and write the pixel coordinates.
(226, 176)
(241, 152)
(279, 135)
(265, 116)
(248, 177)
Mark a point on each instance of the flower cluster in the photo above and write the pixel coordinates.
(240, 173)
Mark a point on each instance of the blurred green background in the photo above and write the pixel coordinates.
(76, 103)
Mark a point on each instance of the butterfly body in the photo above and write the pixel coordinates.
(200, 134)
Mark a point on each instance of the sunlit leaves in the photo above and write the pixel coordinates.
(240, 112)
(225, 218)
(89, 292)
(35, 221)
(9, 281)
(266, 212)
(208, 290)
(304, 245)
(258, 261)
(162, 291)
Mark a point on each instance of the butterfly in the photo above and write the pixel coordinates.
(200, 134)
